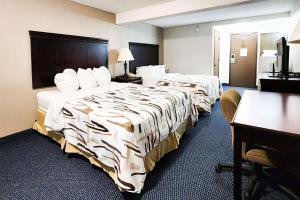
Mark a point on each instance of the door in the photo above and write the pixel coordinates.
(243, 59)
(216, 52)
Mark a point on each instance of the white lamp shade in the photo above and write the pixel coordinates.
(125, 55)
(295, 37)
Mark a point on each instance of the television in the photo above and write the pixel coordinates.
(283, 56)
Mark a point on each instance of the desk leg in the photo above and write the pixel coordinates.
(237, 175)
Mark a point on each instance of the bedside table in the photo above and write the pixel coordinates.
(133, 79)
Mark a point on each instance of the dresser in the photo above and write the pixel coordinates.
(274, 83)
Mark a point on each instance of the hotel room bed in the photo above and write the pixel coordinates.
(123, 128)
(145, 65)
(206, 85)
(210, 83)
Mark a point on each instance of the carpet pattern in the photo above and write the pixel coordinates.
(34, 167)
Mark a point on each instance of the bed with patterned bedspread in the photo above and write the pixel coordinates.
(206, 89)
(120, 127)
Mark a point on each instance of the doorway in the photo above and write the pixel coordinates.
(243, 60)
(216, 52)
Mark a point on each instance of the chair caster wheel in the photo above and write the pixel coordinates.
(246, 196)
(218, 168)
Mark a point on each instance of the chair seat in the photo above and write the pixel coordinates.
(264, 157)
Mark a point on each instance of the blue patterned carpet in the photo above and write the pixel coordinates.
(33, 167)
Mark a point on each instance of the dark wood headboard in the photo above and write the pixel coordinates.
(143, 54)
(52, 53)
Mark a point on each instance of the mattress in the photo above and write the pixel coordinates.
(44, 98)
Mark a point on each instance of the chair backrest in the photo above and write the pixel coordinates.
(229, 102)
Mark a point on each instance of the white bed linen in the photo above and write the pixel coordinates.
(45, 97)
(54, 116)
(209, 82)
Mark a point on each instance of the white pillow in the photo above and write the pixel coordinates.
(144, 71)
(66, 83)
(71, 72)
(86, 78)
(149, 74)
(162, 70)
(102, 75)
(159, 69)
(151, 71)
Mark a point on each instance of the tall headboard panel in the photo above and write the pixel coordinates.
(143, 54)
(52, 53)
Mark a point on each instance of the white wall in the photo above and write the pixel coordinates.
(187, 50)
(294, 48)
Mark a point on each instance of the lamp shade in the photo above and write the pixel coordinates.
(125, 55)
(295, 37)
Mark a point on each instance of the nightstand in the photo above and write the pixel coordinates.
(132, 79)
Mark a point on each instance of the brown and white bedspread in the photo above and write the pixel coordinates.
(119, 127)
(205, 89)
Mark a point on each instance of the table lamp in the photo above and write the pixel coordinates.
(125, 55)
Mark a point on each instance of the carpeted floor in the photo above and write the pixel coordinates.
(33, 167)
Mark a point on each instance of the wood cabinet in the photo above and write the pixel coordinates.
(273, 83)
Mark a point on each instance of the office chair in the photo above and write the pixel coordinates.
(259, 161)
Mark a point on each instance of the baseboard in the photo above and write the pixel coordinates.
(225, 84)
(15, 136)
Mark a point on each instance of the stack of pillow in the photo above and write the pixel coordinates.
(151, 74)
(151, 70)
(70, 81)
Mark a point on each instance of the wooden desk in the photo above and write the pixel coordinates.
(265, 118)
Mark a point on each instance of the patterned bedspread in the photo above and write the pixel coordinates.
(205, 89)
(119, 127)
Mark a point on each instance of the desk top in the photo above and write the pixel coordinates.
(277, 112)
